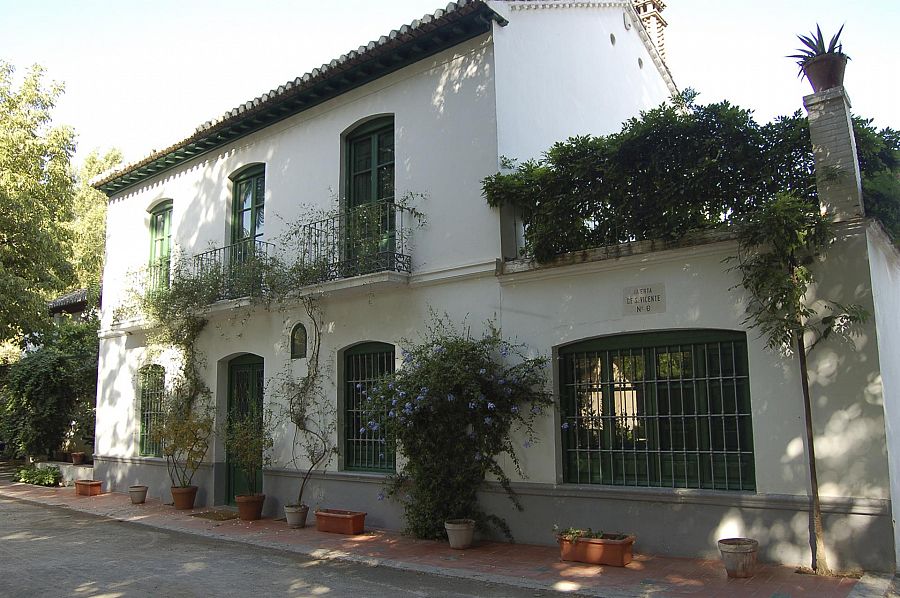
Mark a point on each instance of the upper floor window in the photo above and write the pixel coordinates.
(669, 409)
(248, 209)
(370, 162)
(160, 244)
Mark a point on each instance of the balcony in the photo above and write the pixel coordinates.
(363, 240)
(158, 272)
(234, 271)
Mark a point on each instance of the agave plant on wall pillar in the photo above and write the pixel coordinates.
(823, 65)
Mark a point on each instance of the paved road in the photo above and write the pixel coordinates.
(51, 551)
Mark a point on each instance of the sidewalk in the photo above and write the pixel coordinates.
(528, 566)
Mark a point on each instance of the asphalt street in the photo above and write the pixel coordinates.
(52, 551)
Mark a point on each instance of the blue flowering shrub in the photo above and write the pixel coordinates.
(450, 410)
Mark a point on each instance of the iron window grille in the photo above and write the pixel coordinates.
(365, 449)
(152, 383)
(667, 409)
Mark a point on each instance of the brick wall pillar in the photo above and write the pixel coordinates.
(834, 147)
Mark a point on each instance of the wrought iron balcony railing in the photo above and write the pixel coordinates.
(234, 271)
(361, 240)
(158, 272)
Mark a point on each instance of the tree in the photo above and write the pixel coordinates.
(51, 387)
(879, 164)
(779, 245)
(87, 229)
(36, 191)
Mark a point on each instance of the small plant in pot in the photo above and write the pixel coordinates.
(313, 416)
(138, 494)
(249, 441)
(460, 532)
(184, 434)
(594, 547)
(823, 65)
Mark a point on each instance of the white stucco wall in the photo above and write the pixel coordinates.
(558, 306)
(559, 74)
(884, 264)
(445, 140)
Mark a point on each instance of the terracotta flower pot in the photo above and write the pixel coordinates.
(612, 549)
(88, 487)
(340, 522)
(250, 506)
(460, 532)
(825, 71)
(138, 494)
(77, 458)
(183, 497)
(739, 556)
(296, 515)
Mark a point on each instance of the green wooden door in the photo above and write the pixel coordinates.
(245, 389)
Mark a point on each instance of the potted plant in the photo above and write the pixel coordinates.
(596, 548)
(739, 556)
(184, 433)
(340, 521)
(88, 487)
(822, 65)
(249, 440)
(460, 532)
(77, 458)
(314, 418)
(138, 494)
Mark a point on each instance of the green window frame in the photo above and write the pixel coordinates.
(364, 365)
(369, 224)
(248, 214)
(660, 409)
(370, 163)
(160, 245)
(298, 342)
(152, 391)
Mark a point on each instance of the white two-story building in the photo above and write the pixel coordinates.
(425, 113)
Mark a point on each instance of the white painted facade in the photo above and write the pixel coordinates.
(551, 72)
(884, 264)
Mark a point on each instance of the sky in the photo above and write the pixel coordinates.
(142, 75)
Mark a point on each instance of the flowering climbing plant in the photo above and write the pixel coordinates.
(451, 409)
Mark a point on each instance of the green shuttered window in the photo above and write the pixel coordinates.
(668, 409)
(298, 342)
(370, 163)
(364, 365)
(160, 245)
(248, 209)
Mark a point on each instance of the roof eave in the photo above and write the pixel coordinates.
(434, 33)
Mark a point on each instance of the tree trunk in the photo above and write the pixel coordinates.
(817, 534)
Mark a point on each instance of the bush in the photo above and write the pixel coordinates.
(451, 409)
(40, 476)
(678, 168)
(51, 391)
